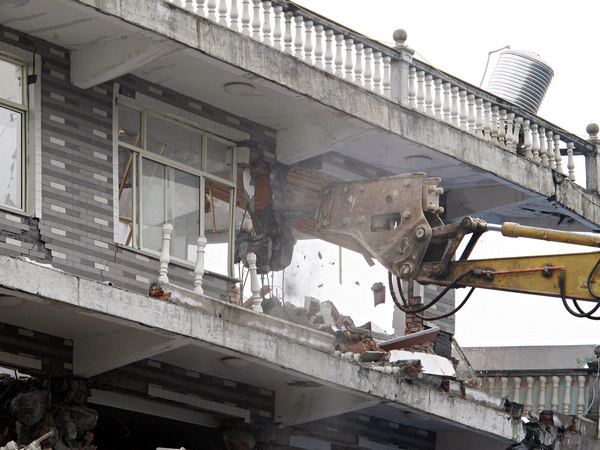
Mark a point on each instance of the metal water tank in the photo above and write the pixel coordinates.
(521, 77)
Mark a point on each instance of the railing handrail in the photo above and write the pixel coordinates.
(583, 146)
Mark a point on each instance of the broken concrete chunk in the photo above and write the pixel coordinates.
(432, 364)
(29, 407)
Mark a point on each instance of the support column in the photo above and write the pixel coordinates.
(400, 68)
(592, 160)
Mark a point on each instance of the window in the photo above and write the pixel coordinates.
(13, 110)
(172, 172)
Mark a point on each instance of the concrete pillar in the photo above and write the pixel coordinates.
(592, 160)
(400, 68)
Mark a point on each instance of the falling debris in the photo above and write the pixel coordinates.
(320, 255)
(320, 286)
(378, 293)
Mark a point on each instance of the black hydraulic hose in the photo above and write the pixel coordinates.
(407, 309)
(581, 313)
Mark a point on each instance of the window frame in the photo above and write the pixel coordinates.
(141, 153)
(24, 110)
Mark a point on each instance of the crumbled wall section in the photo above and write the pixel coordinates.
(75, 232)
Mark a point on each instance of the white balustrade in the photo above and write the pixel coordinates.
(223, 12)
(437, 101)
(387, 67)
(299, 20)
(504, 390)
(212, 8)
(581, 380)
(535, 145)
(543, 147)
(429, 94)
(246, 17)
(494, 125)
(462, 115)
(447, 107)
(528, 405)
(517, 390)
(234, 15)
(570, 161)
(165, 254)
(254, 283)
(542, 396)
(199, 268)
(421, 90)
(377, 72)
(479, 116)
(348, 59)
(308, 48)
(339, 56)
(471, 113)
(567, 396)
(557, 155)
(256, 19)
(454, 109)
(368, 74)
(554, 402)
(358, 64)
(277, 34)
(266, 29)
(551, 156)
(319, 46)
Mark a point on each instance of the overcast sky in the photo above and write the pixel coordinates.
(456, 37)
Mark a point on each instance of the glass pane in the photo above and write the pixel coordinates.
(11, 82)
(10, 157)
(153, 203)
(218, 159)
(184, 201)
(216, 226)
(129, 126)
(125, 229)
(173, 142)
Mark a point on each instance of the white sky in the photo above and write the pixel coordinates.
(456, 37)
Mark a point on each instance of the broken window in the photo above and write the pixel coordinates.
(13, 109)
(171, 172)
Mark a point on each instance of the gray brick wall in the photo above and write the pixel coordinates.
(75, 232)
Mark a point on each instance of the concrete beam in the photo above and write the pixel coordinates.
(305, 404)
(99, 354)
(106, 61)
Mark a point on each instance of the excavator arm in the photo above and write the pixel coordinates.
(396, 221)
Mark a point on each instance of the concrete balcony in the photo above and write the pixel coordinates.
(334, 99)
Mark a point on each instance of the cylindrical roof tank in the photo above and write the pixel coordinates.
(521, 77)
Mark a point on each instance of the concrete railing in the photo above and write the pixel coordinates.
(567, 392)
(395, 74)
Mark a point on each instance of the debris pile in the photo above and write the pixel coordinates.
(30, 408)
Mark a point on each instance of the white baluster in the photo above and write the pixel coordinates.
(200, 8)
(502, 127)
(428, 94)
(287, 35)
(212, 8)
(421, 90)
(570, 161)
(581, 394)
(510, 117)
(165, 254)
(199, 268)
(308, 44)
(189, 5)
(368, 75)
(535, 145)
(377, 72)
(358, 65)
(319, 46)
(517, 390)
(447, 108)
(412, 87)
(223, 12)
(277, 34)
(246, 17)
(542, 398)
(234, 15)
(551, 155)
(487, 123)
(529, 395)
(504, 387)
(454, 110)
(557, 154)
(527, 140)
(517, 133)
(543, 147)
(494, 125)
(462, 115)
(254, 284)
(471, 114)
(339, 55)
(298, 37)
(387, 67)
(437, 102)
(567, 397)
(554, 402)
(329, 51)
(479, 117)
(256, 19)
(348, 61)
(266, 22)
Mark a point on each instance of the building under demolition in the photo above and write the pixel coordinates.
(160, 159)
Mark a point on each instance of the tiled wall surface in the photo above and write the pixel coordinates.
(75, 231)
